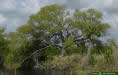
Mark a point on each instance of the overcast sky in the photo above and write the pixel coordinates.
(14, 13)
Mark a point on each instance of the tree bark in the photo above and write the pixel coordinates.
(36, 60)
(63, 51)
(90, 46)
(15, 71)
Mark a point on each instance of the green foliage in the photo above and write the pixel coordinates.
(12, 58)
(11, 61)
(92, 60)
(73, 50)
(24, 29)
(90, 23)
(56, 29)
(51, 52)
(3, 45)
(69, 42)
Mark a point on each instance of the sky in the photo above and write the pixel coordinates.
(14, 13)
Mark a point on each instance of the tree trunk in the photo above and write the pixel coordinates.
(15, 71)
(63, 51)
(36, 60)
(90, 46)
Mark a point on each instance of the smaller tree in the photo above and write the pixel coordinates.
(14, 56)
(91, 26)
(3, 45)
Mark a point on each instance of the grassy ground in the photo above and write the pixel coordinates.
(79, 64)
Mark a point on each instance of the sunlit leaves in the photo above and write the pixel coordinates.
(56, 29)
(90, 23)
(3, 44)
(11, 62)
(25, 29)
(69, 42)
(94, 14)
